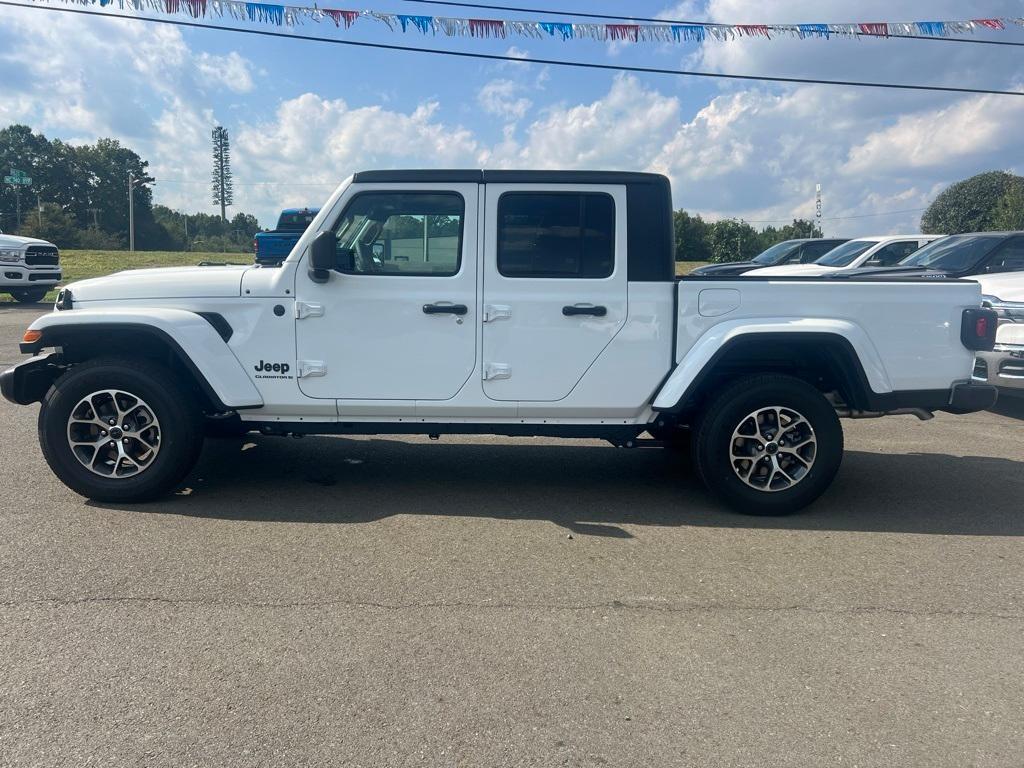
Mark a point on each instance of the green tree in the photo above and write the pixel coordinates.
(1009, 213)
(733, 240)
(691, 237)
(51, 223)
(969, 205)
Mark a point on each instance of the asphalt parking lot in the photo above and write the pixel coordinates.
(499, 602)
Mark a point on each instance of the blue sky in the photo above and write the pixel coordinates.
(302, 116)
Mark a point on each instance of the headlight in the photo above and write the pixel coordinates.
(10, 254)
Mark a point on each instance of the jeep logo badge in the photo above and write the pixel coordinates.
(272, 370)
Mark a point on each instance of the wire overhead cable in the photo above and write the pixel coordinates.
(518, 60)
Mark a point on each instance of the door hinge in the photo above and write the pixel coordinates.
(494, 371)
(496, 312)
(309, 369)
(302, 309)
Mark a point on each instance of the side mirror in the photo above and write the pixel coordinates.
(322, 257)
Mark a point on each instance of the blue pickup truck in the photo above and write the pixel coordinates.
(272, 247)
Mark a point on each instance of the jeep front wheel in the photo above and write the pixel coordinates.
(769, 445)
(120, 430)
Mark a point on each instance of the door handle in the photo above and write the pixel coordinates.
(445, 309)
(595, 311)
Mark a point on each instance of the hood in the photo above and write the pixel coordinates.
(13, 241)
(163, 283)
(1006, 286)
(725, 268)
(791, 270)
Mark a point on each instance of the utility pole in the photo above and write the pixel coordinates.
(187, 248)
(39, 210)
(95, 220)
(132, 184)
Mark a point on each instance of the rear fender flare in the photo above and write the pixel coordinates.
(717, 340)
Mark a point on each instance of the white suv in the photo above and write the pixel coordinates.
(28, 267)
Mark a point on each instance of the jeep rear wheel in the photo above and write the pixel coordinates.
(120, 430)
(769, 445)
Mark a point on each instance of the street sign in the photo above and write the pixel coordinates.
(17, 178)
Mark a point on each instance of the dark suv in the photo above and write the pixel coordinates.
(802, 251)
(975, 253)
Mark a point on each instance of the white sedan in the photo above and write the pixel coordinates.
(881, 251)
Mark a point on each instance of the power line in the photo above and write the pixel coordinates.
(549, 62)
(582, 15)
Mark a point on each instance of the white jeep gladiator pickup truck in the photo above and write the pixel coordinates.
(500, 302)
(28, 267)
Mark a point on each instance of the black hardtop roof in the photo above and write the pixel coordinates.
(471, 176)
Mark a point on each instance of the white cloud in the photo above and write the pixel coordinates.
(504, 98)
(232, 71)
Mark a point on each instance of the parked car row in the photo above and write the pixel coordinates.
(975, 253)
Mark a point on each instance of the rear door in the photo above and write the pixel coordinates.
(554, 285)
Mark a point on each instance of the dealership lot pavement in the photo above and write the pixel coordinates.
(499, 602)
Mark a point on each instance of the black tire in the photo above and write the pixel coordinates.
(714, 445)
(175, 408)
(29, 295)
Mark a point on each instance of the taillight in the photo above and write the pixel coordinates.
(978, 329)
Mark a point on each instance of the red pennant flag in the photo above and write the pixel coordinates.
(486, 28)
(196, 8)
(752, 30)
(172, 6)
(879, 30)
(348, 17)
(624, 32)
(990, 23)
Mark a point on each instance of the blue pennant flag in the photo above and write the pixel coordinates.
(265, 12)
(423, 23)
(932, 28)
(688, 32)
(812, 30)
(556, 29)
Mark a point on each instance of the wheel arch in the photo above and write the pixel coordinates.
(827, 359)
(186, 342)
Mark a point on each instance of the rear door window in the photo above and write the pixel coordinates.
(556, 235)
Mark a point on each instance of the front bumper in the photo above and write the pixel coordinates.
(28, 382)
(1003, 367)
(15, 276)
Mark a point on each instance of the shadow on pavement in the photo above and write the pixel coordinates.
(589, 490)
(1010, 405)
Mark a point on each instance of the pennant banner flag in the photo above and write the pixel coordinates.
(291, 15)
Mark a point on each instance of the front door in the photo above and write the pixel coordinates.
(396, 320)
(554, 285)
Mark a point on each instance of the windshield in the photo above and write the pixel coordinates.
(843, 255)
(954, 253)
(776, 253)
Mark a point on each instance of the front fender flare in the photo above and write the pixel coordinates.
(701, 357)
(193, 340)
